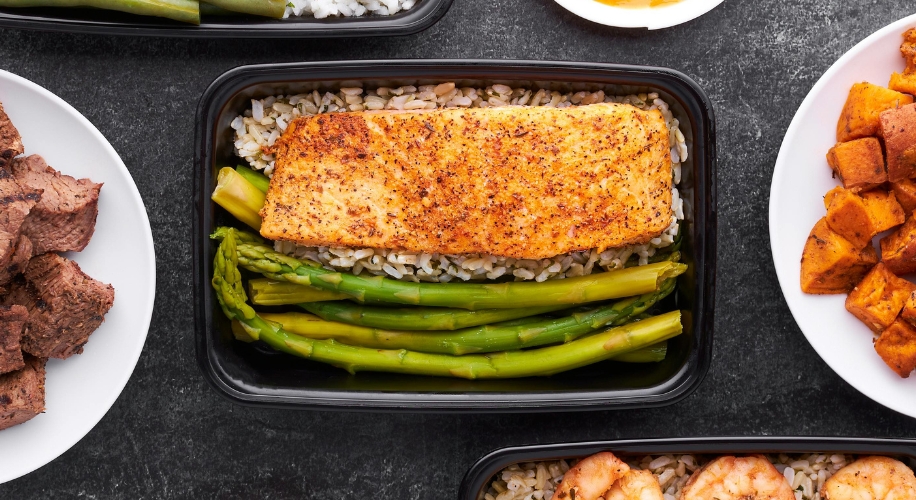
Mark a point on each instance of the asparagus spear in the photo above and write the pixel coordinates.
(227, 281)
(650, 354)
(486, 338)
(328, 306)
(418, 318)
(257, 179)
(258, 257)
(268, 292)
(238, 196)
(267, 8)
(212, 10)
(179, 10)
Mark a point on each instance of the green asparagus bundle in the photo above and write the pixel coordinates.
(230, 293)
(480, 339)
(256, 256)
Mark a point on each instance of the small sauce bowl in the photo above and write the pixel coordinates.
(663, 16)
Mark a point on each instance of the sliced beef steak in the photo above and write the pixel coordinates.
(15, 205)
(63, 220)
(22, 393)
(12, 319)
(22, 252)
(10, 141)
(65, 306)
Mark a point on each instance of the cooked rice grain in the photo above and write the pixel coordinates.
(263, 124)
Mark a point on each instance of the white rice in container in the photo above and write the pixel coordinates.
(321, 9)
(263, 124)
(806, 473)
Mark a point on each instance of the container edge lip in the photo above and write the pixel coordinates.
(379, 401)
(481, 470)
(470, 62)
(377, 27)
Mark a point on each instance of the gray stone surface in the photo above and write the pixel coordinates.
(170, 436)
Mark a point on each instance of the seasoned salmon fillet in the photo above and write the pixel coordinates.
(518, 182)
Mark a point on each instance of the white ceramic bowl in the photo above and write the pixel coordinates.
(800, 180)
(651, 18)
(81, 389)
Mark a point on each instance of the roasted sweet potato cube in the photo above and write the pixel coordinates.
(859, 218)
(908, 313)
(898, 249)
(905, 83)
(883, 210)
(899, 129)
(897, 347)
(908, 50)
(848, 216)
(830, 264)
(861, 113)
(905, 193)
(859, 164)
(879, 298)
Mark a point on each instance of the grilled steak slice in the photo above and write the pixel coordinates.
(63, 220)
(12, 319)
(65, 306)
(22, 393)
(15, 204)
(10, 141)
(20, 258)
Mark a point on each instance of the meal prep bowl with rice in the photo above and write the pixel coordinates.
(789, 468)
(226, 18)
(243, 117)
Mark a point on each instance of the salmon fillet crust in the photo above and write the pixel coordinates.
(519, 182)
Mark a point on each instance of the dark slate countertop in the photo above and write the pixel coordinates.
(169, 435)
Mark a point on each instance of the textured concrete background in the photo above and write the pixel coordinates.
(170, 436)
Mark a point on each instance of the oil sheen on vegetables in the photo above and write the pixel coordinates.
(638, 4)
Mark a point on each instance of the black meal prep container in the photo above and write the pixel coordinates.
(84, 20)
(256, 375)
(477, 479)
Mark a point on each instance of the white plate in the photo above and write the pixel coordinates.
(80, 390)
(653, 19)
(800, 180)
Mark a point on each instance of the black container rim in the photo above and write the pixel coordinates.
(423, 15)
(226, 85)
(480, 473)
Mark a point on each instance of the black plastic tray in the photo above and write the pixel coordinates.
(255, 375)
(73, 20)
(478, 477)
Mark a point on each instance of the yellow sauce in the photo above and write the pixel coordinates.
(638, 4)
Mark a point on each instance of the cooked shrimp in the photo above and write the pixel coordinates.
(872, 478)
(591, 477)
(636, 485)
(744, 478)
